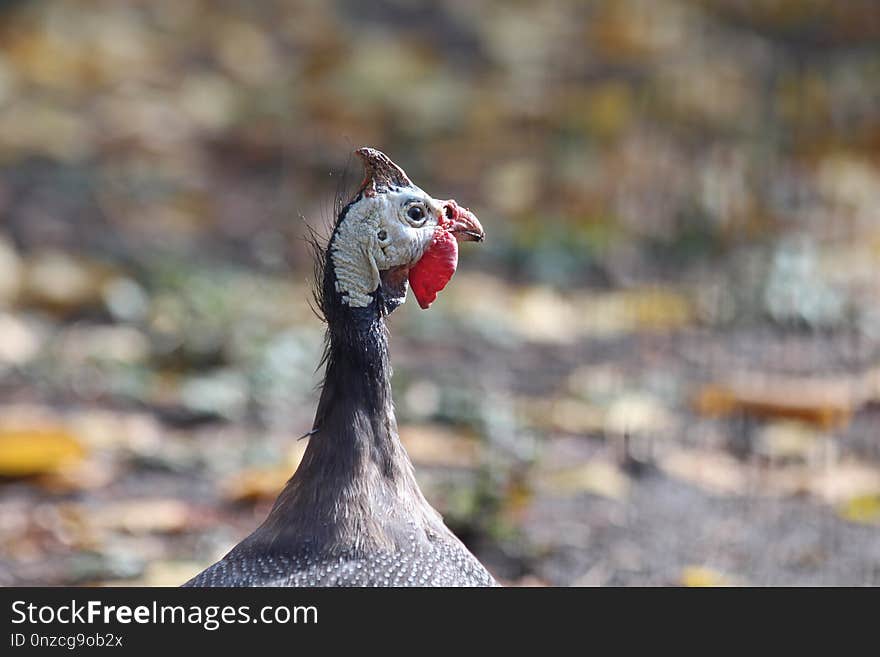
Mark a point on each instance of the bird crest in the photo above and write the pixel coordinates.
(380, 173)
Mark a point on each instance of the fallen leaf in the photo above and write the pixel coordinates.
(141, 516)
(565, 415)
(263, 483)
(788, 440)
(596, 477)
(30, 451)
(864, 509)
(637, 413)
(61, 283)
(701, 576)
(430, 445)
(720, 473)
(713, 471)
(823, 403)
(255, 484)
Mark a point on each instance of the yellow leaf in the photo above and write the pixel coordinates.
(255, 484)
(431, 445)
(863, 509)
(263, 483)
(26, 451)
(597, 477)
(660, 309)
(567, 414)
(700, 576)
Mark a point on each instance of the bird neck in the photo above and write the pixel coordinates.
(355, 425)
(355, 415)
(355, 487)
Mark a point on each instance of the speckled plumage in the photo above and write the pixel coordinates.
(446, 564)
(353, 514)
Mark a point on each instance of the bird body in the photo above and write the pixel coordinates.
(353, 514)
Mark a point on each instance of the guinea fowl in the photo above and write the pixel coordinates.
(353, 514)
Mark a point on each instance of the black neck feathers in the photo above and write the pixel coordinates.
(355, 487)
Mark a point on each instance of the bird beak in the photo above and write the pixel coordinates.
(462, 223)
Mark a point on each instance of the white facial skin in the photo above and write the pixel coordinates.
(389, 229)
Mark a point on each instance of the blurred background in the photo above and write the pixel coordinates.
(662, 367)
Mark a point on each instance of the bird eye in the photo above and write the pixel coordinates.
(382, 235)
(416, 214)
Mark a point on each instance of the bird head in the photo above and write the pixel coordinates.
(392, 234)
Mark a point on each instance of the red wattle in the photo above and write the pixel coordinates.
(433, 271)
